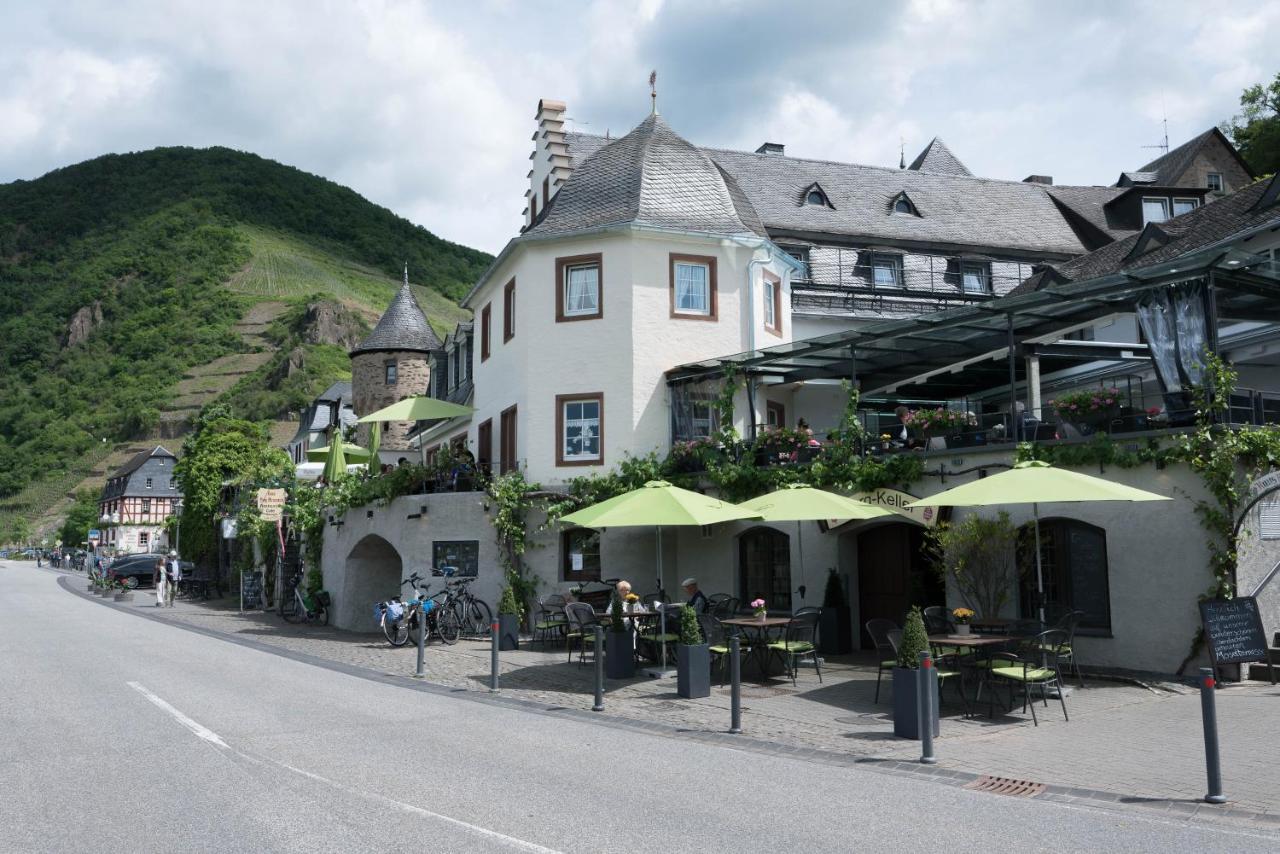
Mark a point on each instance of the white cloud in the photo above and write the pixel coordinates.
(427, 108)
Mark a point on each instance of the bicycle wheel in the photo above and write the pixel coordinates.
(449, 623)
(397, 632)
(321, 615)
(291, 610)
(479, 617)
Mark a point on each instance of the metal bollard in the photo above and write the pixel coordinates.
(599, 668)
(735, 687)
(924, 702)
(1209, 712)
(422, 641)
(493, 676)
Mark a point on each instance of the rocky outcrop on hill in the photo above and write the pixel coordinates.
(291, 364)
(328, 322)
(82, 324)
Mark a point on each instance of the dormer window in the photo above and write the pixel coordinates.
(902, 204)
(1154, 209)
(817, 197)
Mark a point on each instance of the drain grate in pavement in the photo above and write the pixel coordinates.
(1006, 786)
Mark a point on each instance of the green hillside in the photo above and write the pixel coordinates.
(162, 256)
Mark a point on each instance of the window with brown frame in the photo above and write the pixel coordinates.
(580, 548)
(433, 453)
(580, 287)
(459, 442)
(509, 311)
(507, 440)
(775, 416)
(580, 429)
(484, 443)
(772, 293)
(693, 286)
(484, 330)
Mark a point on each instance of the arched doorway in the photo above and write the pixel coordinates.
(372, 573)
(764, 567)
(894, 574)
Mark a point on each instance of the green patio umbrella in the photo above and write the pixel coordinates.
(375, 442)
(417, 409)
(799, 502)
(350, 453)
(657, 504)
(1036, 483)
(335, 463)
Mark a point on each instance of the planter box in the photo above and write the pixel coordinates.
(126, 596)
(906, 717)
(619, 655)
(693, 671)
(835, 632)
(508, 631)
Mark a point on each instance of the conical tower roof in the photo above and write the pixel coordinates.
(937, 158)
(403, 327)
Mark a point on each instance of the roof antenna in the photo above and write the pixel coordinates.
(653, 89)
(1164, 144)
(902, 152)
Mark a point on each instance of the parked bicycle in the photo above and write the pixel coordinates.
(473, 614)
(397, 618)
(298, 605)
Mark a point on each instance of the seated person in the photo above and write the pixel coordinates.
(697, 599)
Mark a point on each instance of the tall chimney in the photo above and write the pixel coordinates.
(772, 148)
(551, 163)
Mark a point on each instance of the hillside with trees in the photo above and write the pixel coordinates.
(129, 284)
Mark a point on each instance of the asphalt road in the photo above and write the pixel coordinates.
(123, 734)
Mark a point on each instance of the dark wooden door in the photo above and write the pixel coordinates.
(893, 575)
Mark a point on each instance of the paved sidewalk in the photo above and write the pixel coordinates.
(1143, 744)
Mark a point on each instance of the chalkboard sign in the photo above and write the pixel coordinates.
(251, 590)
(1234, 629)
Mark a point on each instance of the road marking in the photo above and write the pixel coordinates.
(212, 737)
(200, 731)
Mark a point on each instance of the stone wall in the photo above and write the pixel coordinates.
(370, 391)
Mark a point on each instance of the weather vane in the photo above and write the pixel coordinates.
(653, 89)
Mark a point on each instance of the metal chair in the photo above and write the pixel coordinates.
(798, 641)
(580, 622)
(1069, 623)
(1037, 663)
(715, 599)
(886, 650)
(726, 608)
(936, 621)
(657, 636)
(717, 637)
(549, 618)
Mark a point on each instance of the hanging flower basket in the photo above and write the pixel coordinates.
(1089, 411)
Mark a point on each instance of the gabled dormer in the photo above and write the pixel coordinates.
(1153, 236)
(902, 204)
(816, 196)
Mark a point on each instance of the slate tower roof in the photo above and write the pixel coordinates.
(937, 158)
(403, 327)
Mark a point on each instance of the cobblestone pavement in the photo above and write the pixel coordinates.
(1143, 744)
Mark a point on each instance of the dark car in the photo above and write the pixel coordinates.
(135, 570)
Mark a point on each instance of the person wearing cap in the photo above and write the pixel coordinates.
(175, 575)
(697, 599)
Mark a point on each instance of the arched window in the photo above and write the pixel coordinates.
(765, 567)
(1073, 557)
(817, 197)
(902, 204)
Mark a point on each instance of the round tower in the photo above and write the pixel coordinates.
(391, 364)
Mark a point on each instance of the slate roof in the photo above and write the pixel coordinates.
(1089, 204)
(137, 460)
(402, 327)
(1168, 168)
(1197, 229)
(937, 158)
(650, 177)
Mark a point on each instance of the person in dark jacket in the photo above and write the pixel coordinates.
(697, 599)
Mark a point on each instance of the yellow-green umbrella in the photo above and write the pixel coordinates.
(375, 442)
(335, 464)
(799, 502)
(1036, 483)
(417, 409)
(351, 453)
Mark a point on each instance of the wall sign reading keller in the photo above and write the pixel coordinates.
(462, 556)
(1235, 633)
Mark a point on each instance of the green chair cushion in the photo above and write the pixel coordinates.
(1063, 651)
(667, 638)
(551, 624)
(719, 650)
(793, 647)
(943, 649)
(947, 674)
(892, 662)
(1031, 674)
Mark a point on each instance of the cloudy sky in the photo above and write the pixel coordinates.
(427, 108)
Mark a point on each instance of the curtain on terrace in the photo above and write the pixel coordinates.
(1173, 321)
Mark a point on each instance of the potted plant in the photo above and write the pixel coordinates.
(620, 650)
(961, 617)
(927, 423)
(906, 681)
(759, 609)
(693, 658)
(508, 620)
(835, 634)
(1090, 410)
(122, 592)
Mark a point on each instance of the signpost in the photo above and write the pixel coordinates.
(271, 504)
(1234, 630)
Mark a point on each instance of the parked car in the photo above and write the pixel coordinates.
(134, 570)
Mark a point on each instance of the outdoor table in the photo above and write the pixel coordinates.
(977, 643)
(758, 644)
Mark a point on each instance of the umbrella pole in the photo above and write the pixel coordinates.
(800, 546)
(661, 589)
(1035, 512)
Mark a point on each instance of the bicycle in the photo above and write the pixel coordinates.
(472, 613)
(304, 607)
(397, 619)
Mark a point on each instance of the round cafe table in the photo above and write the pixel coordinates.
(758, 640)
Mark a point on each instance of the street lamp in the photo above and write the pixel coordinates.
(177, 526)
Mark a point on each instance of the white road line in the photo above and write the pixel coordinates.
(213, 738)
(200, 731)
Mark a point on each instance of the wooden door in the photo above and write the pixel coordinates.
(893, 575)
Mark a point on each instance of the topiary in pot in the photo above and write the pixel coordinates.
(508, 620)
(620, 657)
(906, 683)
(693, 657)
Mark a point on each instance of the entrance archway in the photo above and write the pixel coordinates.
(893, 575)
(372, 573)
(764, 567)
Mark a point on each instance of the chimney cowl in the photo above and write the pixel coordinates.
(772, 148)
(1038, 179)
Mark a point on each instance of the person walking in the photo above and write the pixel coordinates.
(162, 583)
(175, 576)
(39, 554)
